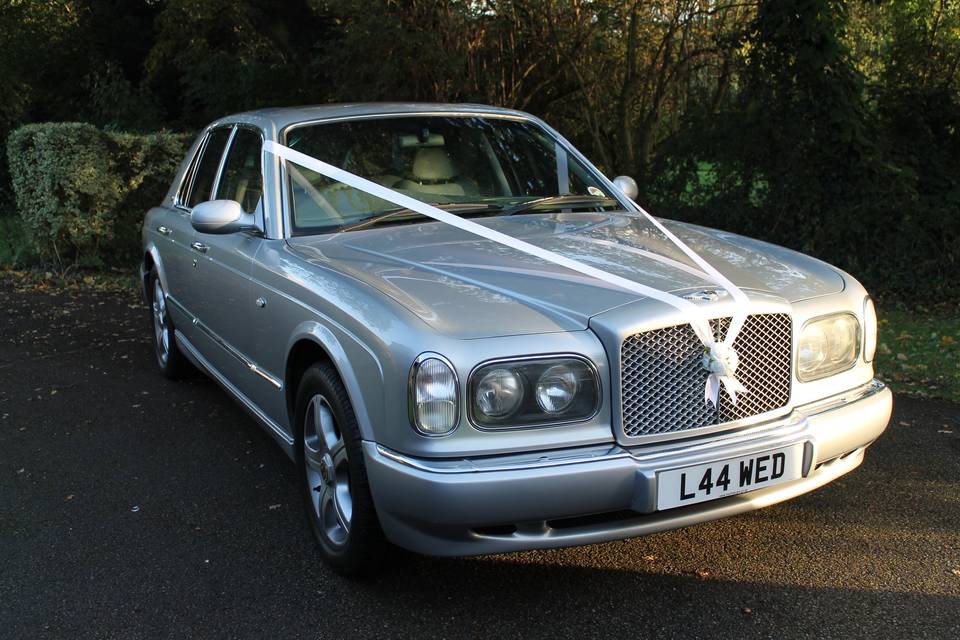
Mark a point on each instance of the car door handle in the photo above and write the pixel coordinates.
(164, 230)
(199, 246)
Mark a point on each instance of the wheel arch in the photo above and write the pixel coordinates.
(151, 259)
(312, 343)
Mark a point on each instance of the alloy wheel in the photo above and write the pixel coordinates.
(328, 471)
(161, 323)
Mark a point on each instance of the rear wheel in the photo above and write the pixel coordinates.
(173, 364)
(333, 476)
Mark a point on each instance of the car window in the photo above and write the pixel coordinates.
(207, 167)
(242, 179)
(492, 162)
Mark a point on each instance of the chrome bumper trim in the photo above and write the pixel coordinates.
(461, 506)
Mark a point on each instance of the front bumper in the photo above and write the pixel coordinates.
(595, 494)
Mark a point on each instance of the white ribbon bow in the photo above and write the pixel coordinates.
(721, 360)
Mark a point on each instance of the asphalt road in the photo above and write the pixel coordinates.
(131, 506)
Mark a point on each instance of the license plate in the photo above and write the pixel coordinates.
(699, 483)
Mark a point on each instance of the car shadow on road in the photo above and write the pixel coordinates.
(549, 595)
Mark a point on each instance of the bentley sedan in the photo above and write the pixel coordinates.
(471, 341)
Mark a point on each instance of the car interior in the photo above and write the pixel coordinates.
(436, 160)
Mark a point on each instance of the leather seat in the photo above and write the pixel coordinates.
(435, 173)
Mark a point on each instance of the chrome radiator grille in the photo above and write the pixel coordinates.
(662, 380)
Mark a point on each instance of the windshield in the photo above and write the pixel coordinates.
(469, 165)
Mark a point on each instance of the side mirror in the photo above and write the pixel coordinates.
(220, 216)
(627, 185)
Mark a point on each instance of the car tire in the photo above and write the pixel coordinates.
(333, 477)
(173, 364)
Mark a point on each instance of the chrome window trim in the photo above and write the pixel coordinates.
(411, 397)
(853, 362)
(286, 198)
(191, 173)
(223, 164)
(223, 161)
(186, 180)
(535, 425)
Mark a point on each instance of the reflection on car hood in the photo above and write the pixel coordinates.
(470, 287)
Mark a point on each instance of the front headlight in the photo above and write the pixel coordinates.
(532, 392)
(434, 395)
(827, 346)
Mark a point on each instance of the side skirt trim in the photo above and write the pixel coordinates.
(281, 436)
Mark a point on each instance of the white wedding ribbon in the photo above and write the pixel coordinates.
(719, 358)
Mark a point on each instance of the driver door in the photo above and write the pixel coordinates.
(224, 260)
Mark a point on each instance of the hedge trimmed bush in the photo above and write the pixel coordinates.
(82, 191)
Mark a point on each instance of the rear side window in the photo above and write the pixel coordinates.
(206, 171)
(242, 179)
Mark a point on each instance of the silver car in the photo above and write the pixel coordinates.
(455, 395)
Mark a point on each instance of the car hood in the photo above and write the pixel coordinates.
(469, 287)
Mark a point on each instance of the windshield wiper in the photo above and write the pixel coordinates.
(566, 200)
(453, 207)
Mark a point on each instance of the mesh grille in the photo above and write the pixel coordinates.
(662, 380)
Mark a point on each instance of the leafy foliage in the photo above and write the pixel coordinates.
(81, 191)
(796, 159)
(831, 127)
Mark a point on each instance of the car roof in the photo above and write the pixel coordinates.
(274, 120)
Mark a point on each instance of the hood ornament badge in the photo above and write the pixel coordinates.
(709, 295)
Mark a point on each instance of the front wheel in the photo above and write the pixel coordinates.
(333, 476)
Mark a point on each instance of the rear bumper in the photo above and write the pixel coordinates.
(596, 494)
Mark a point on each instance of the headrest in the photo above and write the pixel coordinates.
(431, 140)
(433, 163)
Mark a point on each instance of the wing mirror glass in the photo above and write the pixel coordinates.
(627, 186)
(220, 216)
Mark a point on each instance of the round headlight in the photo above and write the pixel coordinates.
(499, 393)
(557, 388)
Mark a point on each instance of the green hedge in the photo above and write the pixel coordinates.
(82, 192)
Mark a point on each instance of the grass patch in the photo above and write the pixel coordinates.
(919, 352)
